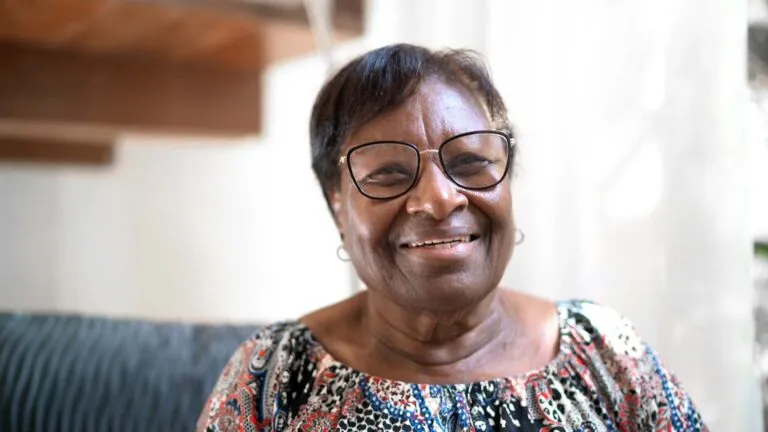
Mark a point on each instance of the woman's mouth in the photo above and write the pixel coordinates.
(444, 243)
(442, 249)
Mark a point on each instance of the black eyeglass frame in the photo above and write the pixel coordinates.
(511, 142)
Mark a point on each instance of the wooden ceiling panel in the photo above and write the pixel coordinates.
(45, 21)
(228, 33)
(139, 28)
(53, 151)
(202, 35)
(126, 93)
(243, 53)
(285, 40)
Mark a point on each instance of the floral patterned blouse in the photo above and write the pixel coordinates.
(604, 378)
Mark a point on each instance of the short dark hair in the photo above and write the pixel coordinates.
(382, 80)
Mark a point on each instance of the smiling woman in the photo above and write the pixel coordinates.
(414, 153)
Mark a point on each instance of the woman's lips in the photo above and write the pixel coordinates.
(440, 243)
(441, 249)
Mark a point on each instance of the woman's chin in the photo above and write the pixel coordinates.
(445, 295)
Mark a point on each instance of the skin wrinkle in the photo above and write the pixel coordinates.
(484, 345)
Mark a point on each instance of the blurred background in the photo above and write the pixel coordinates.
(155, 165)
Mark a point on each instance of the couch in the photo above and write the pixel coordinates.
(83, 374)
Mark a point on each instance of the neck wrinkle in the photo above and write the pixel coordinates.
(433, 339)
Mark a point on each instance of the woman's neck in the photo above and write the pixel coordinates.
(436, 341)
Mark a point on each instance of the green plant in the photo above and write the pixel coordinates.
(761, 249)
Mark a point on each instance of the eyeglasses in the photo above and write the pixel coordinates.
(388, 169)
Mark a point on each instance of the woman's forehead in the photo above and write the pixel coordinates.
(436, 111)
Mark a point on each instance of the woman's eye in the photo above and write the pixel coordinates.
(387, 176)
(467, 164)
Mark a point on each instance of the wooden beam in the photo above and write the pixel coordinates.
(346, 15)
(126, 93)
(224, 33)
(58, 131)
(56, 152)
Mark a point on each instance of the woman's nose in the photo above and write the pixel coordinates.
(434, 193)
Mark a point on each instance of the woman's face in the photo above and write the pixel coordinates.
(383, 237)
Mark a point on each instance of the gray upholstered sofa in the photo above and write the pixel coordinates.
(81, 374)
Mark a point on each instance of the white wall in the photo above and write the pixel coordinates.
(180, 228)
(757, 133)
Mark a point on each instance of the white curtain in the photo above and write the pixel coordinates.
(632, 180)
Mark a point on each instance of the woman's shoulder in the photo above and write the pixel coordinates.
(589, 310)
(258, 363)
(271, 345)
(631, 371)
(588, 322)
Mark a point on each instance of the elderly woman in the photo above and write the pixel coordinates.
(414, 153)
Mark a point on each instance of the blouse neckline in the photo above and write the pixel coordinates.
(327, 361)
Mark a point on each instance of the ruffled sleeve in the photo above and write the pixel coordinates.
(644, 395)
(230, 401)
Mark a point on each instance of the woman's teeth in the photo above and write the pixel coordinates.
(445, 243)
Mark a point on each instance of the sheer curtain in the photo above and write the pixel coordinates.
(632, 182)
